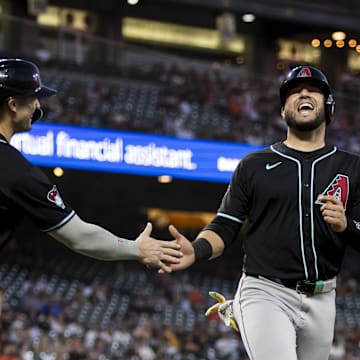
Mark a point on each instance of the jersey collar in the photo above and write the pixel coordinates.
(3, 139)
(281, 147)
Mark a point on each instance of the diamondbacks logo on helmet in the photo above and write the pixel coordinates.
(304, 72)
(339, 189)
(54, 196)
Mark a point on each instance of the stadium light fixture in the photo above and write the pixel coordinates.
(248, 18)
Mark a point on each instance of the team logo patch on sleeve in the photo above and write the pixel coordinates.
(54, 196)
(339, 189)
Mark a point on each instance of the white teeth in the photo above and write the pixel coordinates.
(306, 106)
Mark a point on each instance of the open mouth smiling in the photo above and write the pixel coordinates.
(305, 108)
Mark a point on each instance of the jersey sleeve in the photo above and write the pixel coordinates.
(39, 199)
(352, 233)
(233, 208)
(235, 204)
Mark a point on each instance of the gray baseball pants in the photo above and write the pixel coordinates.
(277, 323)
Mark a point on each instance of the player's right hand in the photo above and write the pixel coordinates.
(224, 308)
(333, 212)
(186, 248)
(157, 253)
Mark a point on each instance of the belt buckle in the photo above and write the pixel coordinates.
(298, 287)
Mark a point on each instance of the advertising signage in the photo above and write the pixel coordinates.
(83, 148)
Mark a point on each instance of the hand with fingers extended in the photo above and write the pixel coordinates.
(224, 309)
(186, 249)
(158, 253)
(333, 212)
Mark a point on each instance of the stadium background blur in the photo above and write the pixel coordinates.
(190, 69)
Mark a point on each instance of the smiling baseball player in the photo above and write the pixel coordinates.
(301, 199)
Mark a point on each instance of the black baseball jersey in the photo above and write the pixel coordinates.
(26, 191)
(276, 189)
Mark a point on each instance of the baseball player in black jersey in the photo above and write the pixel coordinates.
(301, 201)
(26, 191)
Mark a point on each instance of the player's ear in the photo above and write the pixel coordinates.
(12, 104)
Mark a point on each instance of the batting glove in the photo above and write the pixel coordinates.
(224, 308)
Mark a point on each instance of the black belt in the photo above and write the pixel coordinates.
(306, 287)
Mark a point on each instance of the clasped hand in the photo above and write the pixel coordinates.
(158, 253)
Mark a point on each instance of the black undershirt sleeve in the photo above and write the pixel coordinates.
(227, 229)
(352, 234)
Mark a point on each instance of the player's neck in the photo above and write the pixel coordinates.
(305, 142)
(6, 132)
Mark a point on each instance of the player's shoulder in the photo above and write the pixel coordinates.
(258, 155)
(348, 159)
(345, 154)
(11, 158)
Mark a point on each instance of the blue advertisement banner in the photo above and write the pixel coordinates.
(83, 148)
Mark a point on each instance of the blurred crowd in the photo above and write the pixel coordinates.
(155, 317)
(190, 102)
